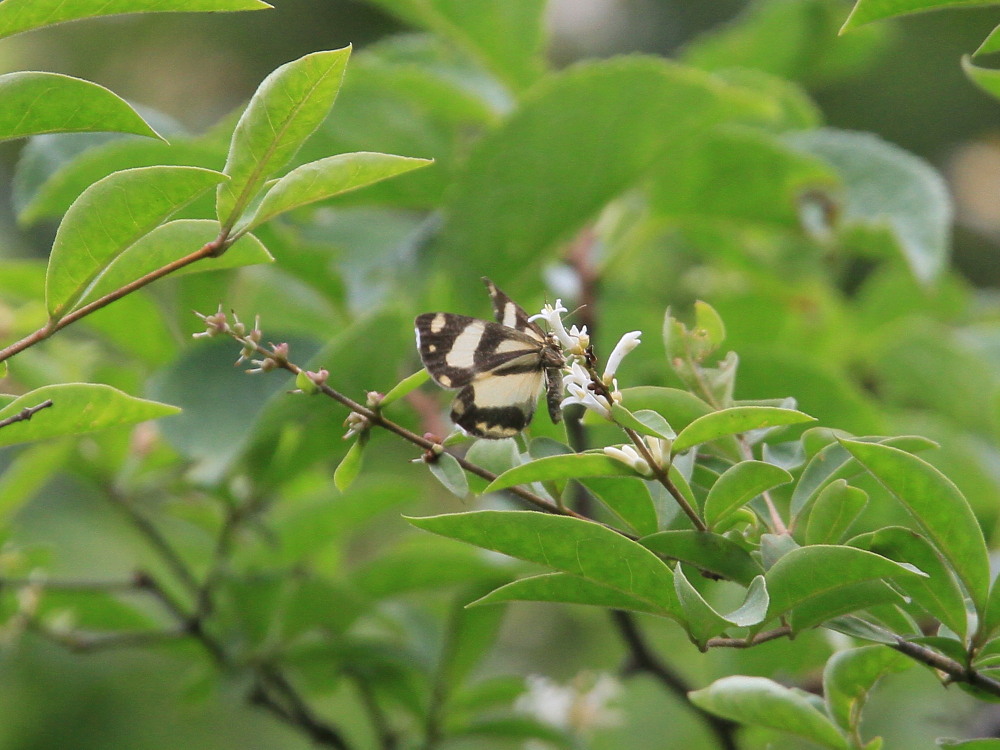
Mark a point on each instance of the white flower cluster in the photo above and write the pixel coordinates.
(579, 707)
(659, 451)
(575, 340)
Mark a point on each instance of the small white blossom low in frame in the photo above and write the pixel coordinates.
(585, 704)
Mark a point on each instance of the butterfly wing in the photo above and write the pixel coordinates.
(498, 405)
(507, 312)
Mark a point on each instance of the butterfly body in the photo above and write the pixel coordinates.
(500, 367)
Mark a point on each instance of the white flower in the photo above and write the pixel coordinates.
(574, 341)
(659, 448)
(355, 424)
(580, 707)
(577, 382)
(630, 457)
(625, 344)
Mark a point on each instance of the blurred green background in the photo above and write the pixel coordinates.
(196, 68)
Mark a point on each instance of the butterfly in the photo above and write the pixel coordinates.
(501, 368)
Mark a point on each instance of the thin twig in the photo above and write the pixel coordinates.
(767, 635)
(956, 671)
(643, 659)
(26, 413)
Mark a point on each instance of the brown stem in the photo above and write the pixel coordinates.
(767, 635)
(26, 413)
(209, 250)
(956, 671)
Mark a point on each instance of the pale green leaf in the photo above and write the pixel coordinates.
(866, 11)
(836, 508)
(566, 589)
(449, 472)
(76, 408)
(571, 466)
(285, 110)
(405, 386)
(349, 467)
(110, 216)
(735, 420)
(17, 16)
(850, 675)
(34, 103)
(738, 485)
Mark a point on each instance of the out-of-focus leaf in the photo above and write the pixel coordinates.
(738, 485)
(35, 103)
(866, 11)
(582, 548)
(77, 408)
(286, 108)
(937, 506)
(423, 567)
(17, 16)
(735, 420)
(707, 551)
(758, 701)
(835, 510)
(506, 36)
(29, 472)
(851, 674)
(517, 728)
(405, 386)
(349, 467)
(887, 190)
(110, 216)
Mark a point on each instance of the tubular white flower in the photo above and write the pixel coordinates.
(630, 457)
(581, 706)
(576, 382)
(625, 344)
(572, 340)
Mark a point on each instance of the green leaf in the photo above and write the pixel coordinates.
(850, 675)
(516, 728)
(811, 571)
(76, 408)
(569, 131)
(991, 618)
(758, 701)
(472, 632)
(706, 551)
(939, 508)
(678, 407)
(645, 422)
(349, 467)
(939, 593)
(708, 320)
(422, 567)
(735, 420)
(700, 620)
(977, 744)
(31, 469)
(887, 191)
(326, 178)
(110, 216)
(572, 466)
(582, 548)
(286, 108)
(866, 11)
(738, 174)
(845, 600)
(448, 472)
(628, 498)
(990, 44)
(836, 508)
(405, 386)
(738, 485)
(36, 103)
(506, 36)
(566, 589)
(17, 16)
(988, 79)
(170, 242)
(833, 462)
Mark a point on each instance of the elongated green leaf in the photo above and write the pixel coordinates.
(326, 178)
(866, 11)
(851, 674)
(889, 193)
(835, 510)
(570, 132)
(977, 744)
(810, 571)
(988, 79)
(286, 108)
(405, 386)
(422, 567)
(17, 16)
(679, 408)
(349, 467)
(582, 548)
(34, 103)
(644, 421)
(833, 462)
(700, 620)
(107, 218)
(707, 551)
(991, 619)
(506, 36)
(939, 593)
(570, 466)
(566, 589)
(733, 421)
(758, 701)
(844, 600)
(448, 471)
(76, 408)
(628, 498)
(170, 242)
(939, 508)
(740, 484)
